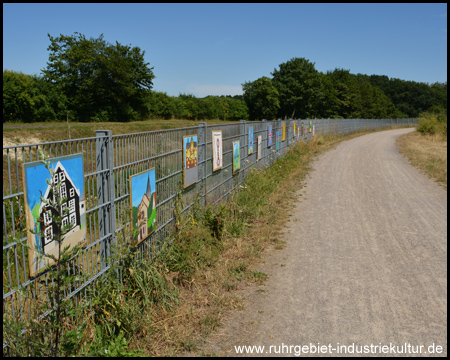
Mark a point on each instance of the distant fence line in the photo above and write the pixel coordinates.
(109, 161)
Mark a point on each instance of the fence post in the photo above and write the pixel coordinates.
(264, 141)
(201, 157)
(104, 157)
(242, 143)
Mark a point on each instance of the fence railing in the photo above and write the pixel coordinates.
(109, 160)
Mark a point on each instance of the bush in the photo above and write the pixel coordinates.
(432, 123)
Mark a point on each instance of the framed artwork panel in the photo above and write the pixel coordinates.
(217, 159)
(236, 157)
(259, 150)
(250, 140)
(269, 137)
(190, 169)
(143, 205)
(69, 171)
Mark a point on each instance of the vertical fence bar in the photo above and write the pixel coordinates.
(201, 158)
(105, 184)
(243, 145)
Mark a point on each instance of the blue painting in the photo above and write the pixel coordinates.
(269, 141)
(68, 170)
(250, 140)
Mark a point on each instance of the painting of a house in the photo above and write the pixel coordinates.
(67, 190)
(69, 171)
(143, 204)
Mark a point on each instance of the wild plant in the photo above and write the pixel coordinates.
(55, 322)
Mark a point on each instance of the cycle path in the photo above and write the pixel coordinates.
(365, 261)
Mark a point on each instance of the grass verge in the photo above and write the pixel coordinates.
(428, 153)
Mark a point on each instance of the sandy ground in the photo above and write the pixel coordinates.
(365, 261)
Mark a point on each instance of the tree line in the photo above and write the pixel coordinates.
(93, 80)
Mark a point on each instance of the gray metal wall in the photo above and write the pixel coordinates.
(109, 161)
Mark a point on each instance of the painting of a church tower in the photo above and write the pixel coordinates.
(143, 204)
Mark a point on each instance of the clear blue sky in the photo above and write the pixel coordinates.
(211, 49)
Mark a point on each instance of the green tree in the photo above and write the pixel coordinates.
(21, 97)
(261, 97)
(411, 97)
(100, 79)
(238, 109)
(330, 103)
(191, 106)
(162, 105)
(299, 87)
(29, 98)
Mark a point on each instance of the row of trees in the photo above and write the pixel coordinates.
(31, 98)
(93, 80)
(297, 89)
(187, 106)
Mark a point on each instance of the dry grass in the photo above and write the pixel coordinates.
(426, 152)
(20, 134)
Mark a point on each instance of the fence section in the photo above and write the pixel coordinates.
(109, 161)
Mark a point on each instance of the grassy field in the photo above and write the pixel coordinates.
(20, 134)
(426, 152)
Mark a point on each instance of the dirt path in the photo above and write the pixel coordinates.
(365, 261)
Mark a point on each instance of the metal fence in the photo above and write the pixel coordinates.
(109, 161)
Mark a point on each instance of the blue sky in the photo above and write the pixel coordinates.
(139, 185)
(36, 175)
(211, 49)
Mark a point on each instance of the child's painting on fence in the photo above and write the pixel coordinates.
(143, 204)
(40, 216)
(269, 138)
(217, 158)
(190, 171)
(259, 152)
(250, 140)
(236, 157)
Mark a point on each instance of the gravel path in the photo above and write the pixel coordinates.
(365, 261)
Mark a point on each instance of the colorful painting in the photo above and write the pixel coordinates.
(259, 150)
(236, 157)
(298, 134)
(277, 141)
(284, 132)
(289, 137)
(143, 204)
(68, 170)
(294, 130)
(302, 128)
(310, 126)
(217, 159)
(314, 130)
(190, 171)
(250, 140)
(269, 141)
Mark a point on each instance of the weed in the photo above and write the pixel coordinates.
(111, 347)
(51, 327)
(215, 220)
